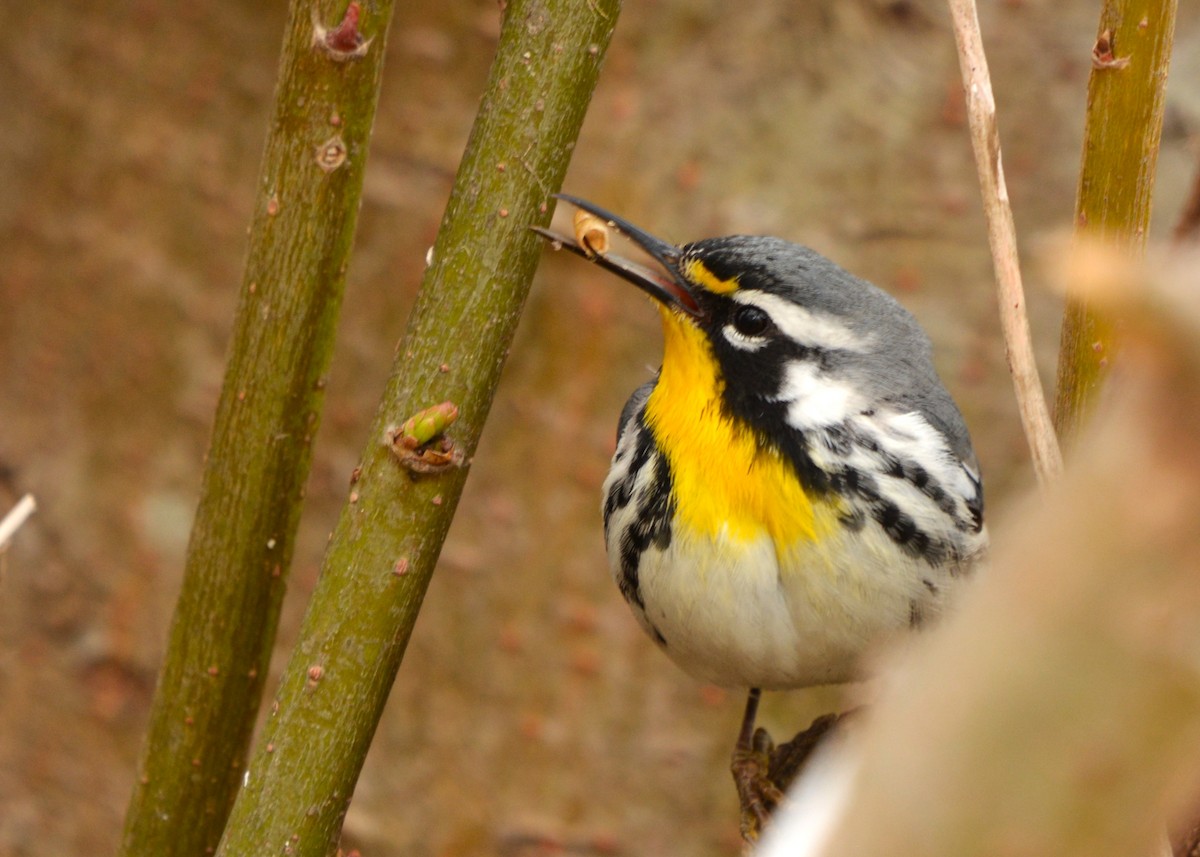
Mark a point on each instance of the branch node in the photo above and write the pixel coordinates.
(420, 443)
(1103, 56)
(344, 42)
(331, 154)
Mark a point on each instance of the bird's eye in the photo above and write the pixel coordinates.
(751, 321)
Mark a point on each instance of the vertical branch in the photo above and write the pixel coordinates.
(383, 550)
(985, 139)
(1126, 95)
(241, 545)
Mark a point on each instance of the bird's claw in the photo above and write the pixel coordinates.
(758, 795)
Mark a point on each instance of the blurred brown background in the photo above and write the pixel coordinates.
(530, 716)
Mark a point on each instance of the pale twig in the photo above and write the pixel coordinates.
(1188, 227)
(16, 516)
(985, 139)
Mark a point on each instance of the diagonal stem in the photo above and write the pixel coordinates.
(382, 553)
(985, 139)
(223, 629)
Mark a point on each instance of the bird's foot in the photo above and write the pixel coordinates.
(758, 795)
(789, 759)
(763, 772)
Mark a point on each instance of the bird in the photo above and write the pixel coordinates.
(794, 485)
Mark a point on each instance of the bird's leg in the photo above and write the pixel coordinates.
(757, 795)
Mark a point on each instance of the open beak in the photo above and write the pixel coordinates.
(667, 286)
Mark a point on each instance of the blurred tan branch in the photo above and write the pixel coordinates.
(985, 139)
(1058, 713)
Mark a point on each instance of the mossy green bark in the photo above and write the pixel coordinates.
(383, 550)
(1125, 102)
(306, 208)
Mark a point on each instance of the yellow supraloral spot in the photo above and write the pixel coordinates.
(723, 478)
(698, 273)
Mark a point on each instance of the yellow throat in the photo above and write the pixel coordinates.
(723, 479)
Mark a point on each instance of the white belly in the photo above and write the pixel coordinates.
(735, 615)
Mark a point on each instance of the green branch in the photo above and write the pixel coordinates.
(387, 540)
(1116, 181)
(224, 625)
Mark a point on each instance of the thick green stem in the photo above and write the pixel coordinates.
(1116, 180)
(386, 543)
(241, 545)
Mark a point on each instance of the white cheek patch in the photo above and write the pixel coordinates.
(911, 436)
(802, 325)
(815, 399)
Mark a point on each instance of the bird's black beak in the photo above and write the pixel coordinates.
(668, 286)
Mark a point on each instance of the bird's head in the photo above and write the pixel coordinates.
(791, 337)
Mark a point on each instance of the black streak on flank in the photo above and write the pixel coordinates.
(652, 526)
(622, 490)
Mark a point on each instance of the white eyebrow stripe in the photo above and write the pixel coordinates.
(802, 325)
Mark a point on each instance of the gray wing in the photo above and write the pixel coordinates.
(635, 403)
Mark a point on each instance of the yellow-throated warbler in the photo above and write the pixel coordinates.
(795, 483)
